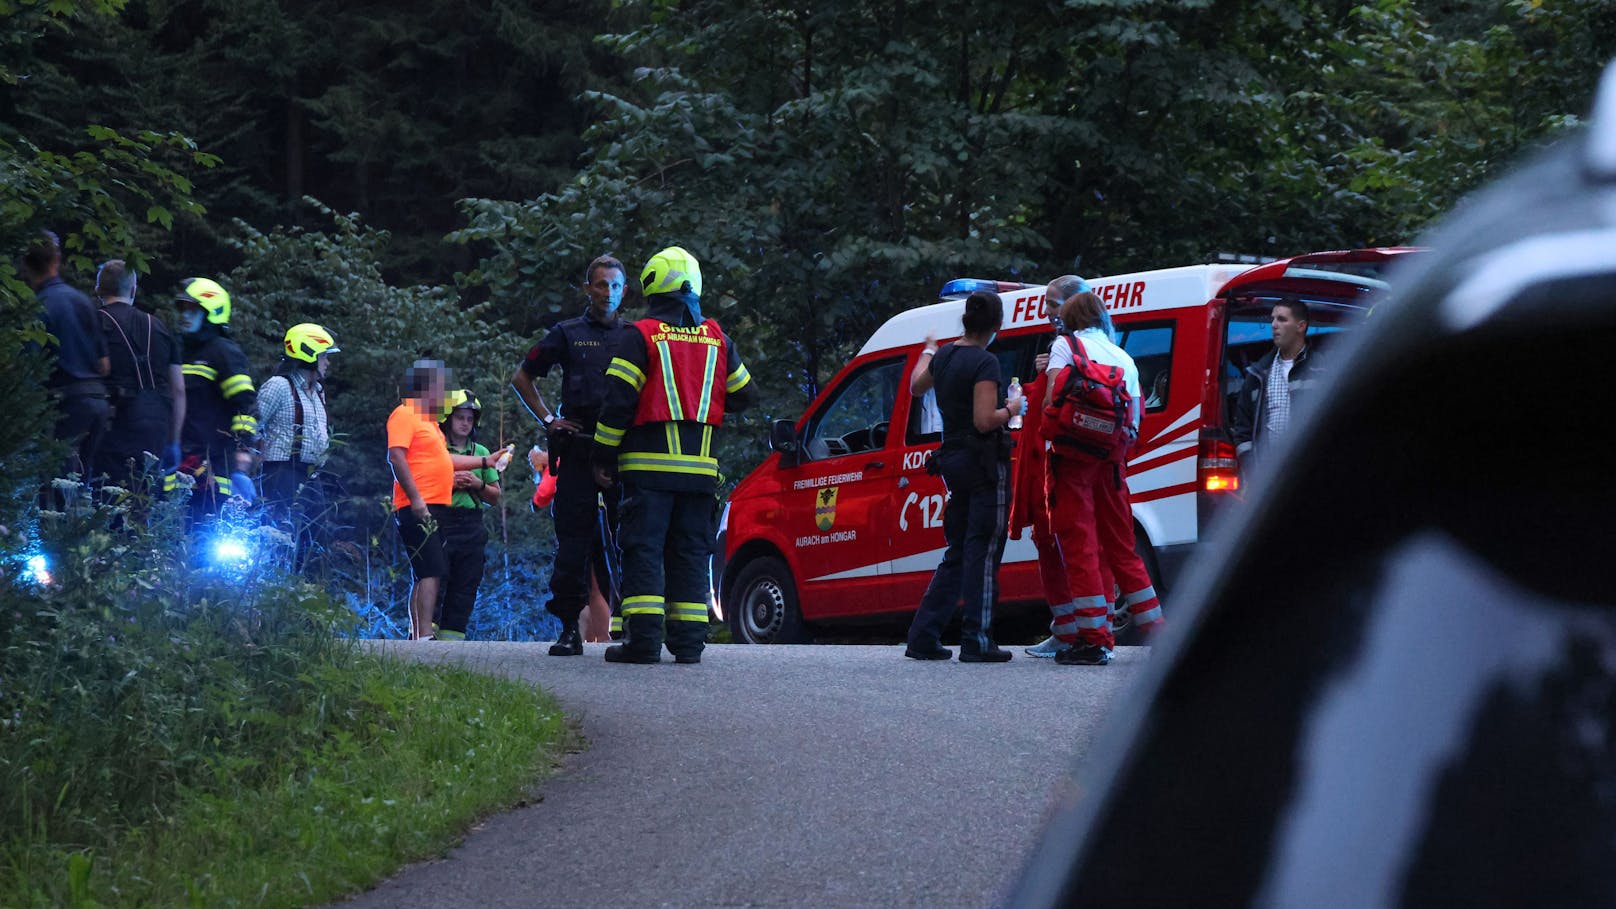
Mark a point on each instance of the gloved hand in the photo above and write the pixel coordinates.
(170, 460)
(242, 485)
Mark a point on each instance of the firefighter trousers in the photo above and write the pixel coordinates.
(666, 538)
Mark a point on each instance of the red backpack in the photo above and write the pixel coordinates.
(1089, 413)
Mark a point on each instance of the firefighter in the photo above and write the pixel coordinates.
(672, 379)
(147, 384)
(220, 400)
(582, 346)
(465, 538)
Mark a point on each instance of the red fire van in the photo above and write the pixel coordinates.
(842, 522)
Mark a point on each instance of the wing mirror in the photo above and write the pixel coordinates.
(783, 436)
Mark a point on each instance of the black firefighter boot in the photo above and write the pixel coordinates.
(642, 641)
(569, 642)
(686, 640)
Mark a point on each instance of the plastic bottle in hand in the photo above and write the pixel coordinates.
(1015, 392)
(504, 459)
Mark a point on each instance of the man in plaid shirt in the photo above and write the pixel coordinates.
(1263, 409)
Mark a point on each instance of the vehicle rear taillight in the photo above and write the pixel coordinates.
(1217, 467)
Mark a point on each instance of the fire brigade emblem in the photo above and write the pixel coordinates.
(825, 508)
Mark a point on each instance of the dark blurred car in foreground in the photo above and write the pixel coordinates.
(1391, 680)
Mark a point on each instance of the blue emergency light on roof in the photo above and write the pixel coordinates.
(964, 287)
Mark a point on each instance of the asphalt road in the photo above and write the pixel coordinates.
(823, 776)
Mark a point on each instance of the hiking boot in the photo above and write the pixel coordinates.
(687, 659)
(1084, 655)
(618, 653)
(1045, 649)
(569, 642)
(994, 654)
(933, 653)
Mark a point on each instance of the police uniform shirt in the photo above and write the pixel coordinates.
(583, 348)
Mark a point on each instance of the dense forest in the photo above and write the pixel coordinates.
(425, 177)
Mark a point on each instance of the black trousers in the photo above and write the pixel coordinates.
(465, 542)
(83, 424)
(667, 538)
(580, 548)
(974, 526)
(280, 482)
(140, 424)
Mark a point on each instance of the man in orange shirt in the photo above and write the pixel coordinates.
(423, 483)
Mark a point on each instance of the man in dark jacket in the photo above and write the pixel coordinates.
(668, 387)
(582, 347)
(80, 355)
(1276, 384)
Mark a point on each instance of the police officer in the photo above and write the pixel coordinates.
(670, 383)
(80, 353)
(582, 347)
(146, 384)
(220, 400)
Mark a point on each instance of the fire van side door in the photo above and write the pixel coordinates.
(838, 507)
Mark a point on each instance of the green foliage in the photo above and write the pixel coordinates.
(333, 277)
(177, 735)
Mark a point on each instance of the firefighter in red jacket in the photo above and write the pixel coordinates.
(668, 387)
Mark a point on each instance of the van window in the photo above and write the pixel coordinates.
(1249, 337)
(1015, 357)
(857, 415)
(1151, 346)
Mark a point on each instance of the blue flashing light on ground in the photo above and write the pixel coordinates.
(230, 552)
(37, 569)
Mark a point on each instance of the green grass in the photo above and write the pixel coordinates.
(178, 736)
(424, 754)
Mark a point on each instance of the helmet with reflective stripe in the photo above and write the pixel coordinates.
(462, 398)
(206, 293)
(669, 271)
(306, 341)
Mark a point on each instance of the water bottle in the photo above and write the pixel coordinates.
(1015, 392)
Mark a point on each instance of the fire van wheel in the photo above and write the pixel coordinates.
(766, 600)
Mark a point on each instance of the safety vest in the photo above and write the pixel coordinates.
(684, 373)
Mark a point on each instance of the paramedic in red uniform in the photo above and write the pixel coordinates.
(1029, 503)
(673, 378)
(974, 461)
(1093, 517)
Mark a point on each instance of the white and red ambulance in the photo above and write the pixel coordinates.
(842, 522)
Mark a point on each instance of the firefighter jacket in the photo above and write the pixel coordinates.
(669, 384)
(220, 400)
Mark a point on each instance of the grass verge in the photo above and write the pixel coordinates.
(419, 757)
